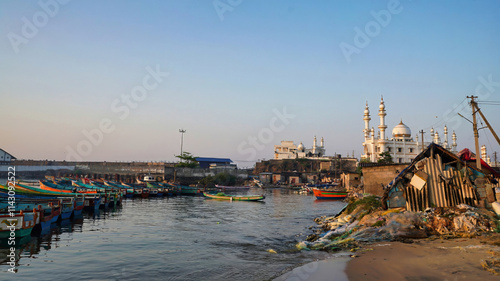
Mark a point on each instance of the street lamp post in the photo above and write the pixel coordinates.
(182, 131)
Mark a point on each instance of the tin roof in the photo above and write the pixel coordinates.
(213, 160)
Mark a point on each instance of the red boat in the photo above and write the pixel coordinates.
(328, 194)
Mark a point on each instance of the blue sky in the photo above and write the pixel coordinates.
(230, 74)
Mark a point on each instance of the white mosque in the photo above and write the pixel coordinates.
(288, 150)
(402, 147)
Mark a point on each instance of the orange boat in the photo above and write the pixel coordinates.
(57, 188)
(324, 194)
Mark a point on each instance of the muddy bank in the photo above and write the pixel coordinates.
(427, 259)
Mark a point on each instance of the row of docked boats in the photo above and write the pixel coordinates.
(26, 208)
(31, 207)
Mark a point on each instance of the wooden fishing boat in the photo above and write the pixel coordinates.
(48, 186)
(49, 214)
(329, 194)
(225, 188)
(131, 190)
(189, 190)
(21, 222)
(223, 196)
(92, 203)
(155, 189)
(79, 205)
(67, 207)
(33, 190)
(170, 190)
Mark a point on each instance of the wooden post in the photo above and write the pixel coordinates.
(476, 134)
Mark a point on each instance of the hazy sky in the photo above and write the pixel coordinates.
(89, 78)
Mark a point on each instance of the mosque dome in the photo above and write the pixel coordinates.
(401, 130)
(300, 147)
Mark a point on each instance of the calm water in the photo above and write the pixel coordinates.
(183, 238)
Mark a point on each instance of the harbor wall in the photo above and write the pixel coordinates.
(120, 171)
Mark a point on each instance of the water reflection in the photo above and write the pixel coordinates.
(184, 238)
(49, 238)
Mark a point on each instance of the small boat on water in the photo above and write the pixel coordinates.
(223, 196)
(232, 188)
(329, 194)
(19, 223)
(189, 190)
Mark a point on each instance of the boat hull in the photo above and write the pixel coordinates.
(234, 198)
(329, 195)
(22, 223)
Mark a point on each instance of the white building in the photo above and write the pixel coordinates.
(288, 150)
(5, 156)
(486, 158)
(402, 147)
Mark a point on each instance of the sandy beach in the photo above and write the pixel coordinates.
(453, 259)
(426, 259)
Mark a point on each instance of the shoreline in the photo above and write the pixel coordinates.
(428, 259)
(318, 270)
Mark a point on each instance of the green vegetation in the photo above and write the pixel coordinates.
(187, 160)
(219, 179)
(385, 158)
(369, 204)
(378, 223)
(208, 181)
(359, 169)
(225, 179)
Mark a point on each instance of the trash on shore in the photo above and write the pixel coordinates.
(365, 221)
(272, 251)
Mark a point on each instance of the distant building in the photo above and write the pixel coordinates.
(5, 156)
(486, 158)
(206, 162)
(402, 147)
(288, 150)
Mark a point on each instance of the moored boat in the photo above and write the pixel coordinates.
(329, 194)
(225, 188)
(223, 196)
(18, 224)
(92, 203)
(189, 190)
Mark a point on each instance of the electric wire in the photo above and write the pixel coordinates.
(443, 120)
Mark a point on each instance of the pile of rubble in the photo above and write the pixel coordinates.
(364, 221)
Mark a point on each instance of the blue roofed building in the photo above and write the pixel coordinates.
(208, 162)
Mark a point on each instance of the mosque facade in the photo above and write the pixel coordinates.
(401, 146)
(288, 150)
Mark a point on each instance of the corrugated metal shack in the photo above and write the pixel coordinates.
(439, 178)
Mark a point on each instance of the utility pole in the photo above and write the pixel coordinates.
(182, 131)
(473, 105)
(488, 124)
(422, 133)
(495, 157)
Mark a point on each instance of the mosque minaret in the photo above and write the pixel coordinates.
(402, 147)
